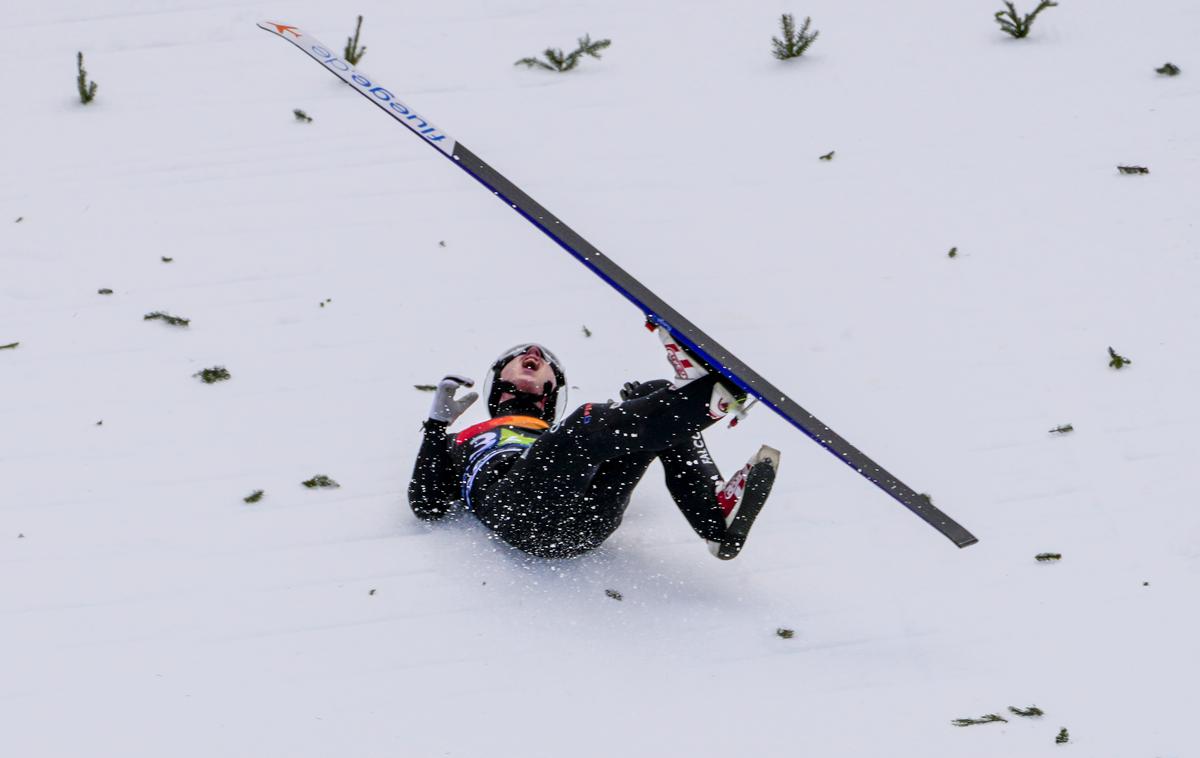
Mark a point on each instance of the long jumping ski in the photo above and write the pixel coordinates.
(656, 311)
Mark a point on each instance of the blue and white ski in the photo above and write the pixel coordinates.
(656, 311)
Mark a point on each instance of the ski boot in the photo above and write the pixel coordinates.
(741, 499)
(689, 368)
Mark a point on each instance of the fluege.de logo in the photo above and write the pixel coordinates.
(418, 124)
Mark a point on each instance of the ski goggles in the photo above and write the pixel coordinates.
(518, 350)
(557, 400)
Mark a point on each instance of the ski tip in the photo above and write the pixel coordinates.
(280, 29)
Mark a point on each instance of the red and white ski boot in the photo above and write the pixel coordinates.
(688, 369)
(741, 498)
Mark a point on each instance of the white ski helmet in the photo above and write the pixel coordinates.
(556, 397)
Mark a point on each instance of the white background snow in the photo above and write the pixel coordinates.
(145, 610)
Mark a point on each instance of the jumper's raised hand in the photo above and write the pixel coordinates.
(445, 407)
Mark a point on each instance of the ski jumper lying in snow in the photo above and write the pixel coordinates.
(558, 490)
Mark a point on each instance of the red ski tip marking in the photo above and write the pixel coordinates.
(281, 28)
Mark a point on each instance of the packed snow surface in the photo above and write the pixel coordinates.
(331, 266)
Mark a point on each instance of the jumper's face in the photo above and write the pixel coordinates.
(528, 372)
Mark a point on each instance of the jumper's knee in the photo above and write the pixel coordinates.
(601, 421)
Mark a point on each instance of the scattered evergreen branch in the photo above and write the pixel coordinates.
(1118, 361)
(827, 156)
(165, 259)
(172, 320)
(587, 47)
(1062, 429)
(786, 634)
(353, 53)
(557, 61)
(1168, 69)
(87, 90)
(213, 375)
(100, 422)
(425, 387)
(1031, 712)
(302, 116)
(794, 43)
(372, 592)
(326, 300)
(1014, 25)
(9, 346)
(953, 252)
(19, 219)
(253, 497)
(614, 594)
(320, 480)
(928, 497)
(1047, 557)
(987, 719)
(586, 332)
(1133, 169)
(441, 243)
(1063, 737)
(104, 291)
(554, 55)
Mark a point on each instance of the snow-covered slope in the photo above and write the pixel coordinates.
(145, 610)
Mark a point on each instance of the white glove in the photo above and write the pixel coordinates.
(445, 408)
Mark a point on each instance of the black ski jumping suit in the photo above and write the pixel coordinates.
(557, 492)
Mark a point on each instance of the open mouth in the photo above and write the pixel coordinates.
(530, 363)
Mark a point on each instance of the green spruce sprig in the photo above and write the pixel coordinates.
(614, 594)
(794, 42)
(301, 116)
(353, 52)
(9, 346)
(87, 90)
(1168, 69)
(253, 497)
(1031, 712)
(1015, 26)
(213, 375)
(1133, 169)
(1118, 361)
(1062, 429)
(320, 480)
(1047, 557)
(172, 320)
(1063, 737)
(557, 61)
(986, 719)
(784, 633)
